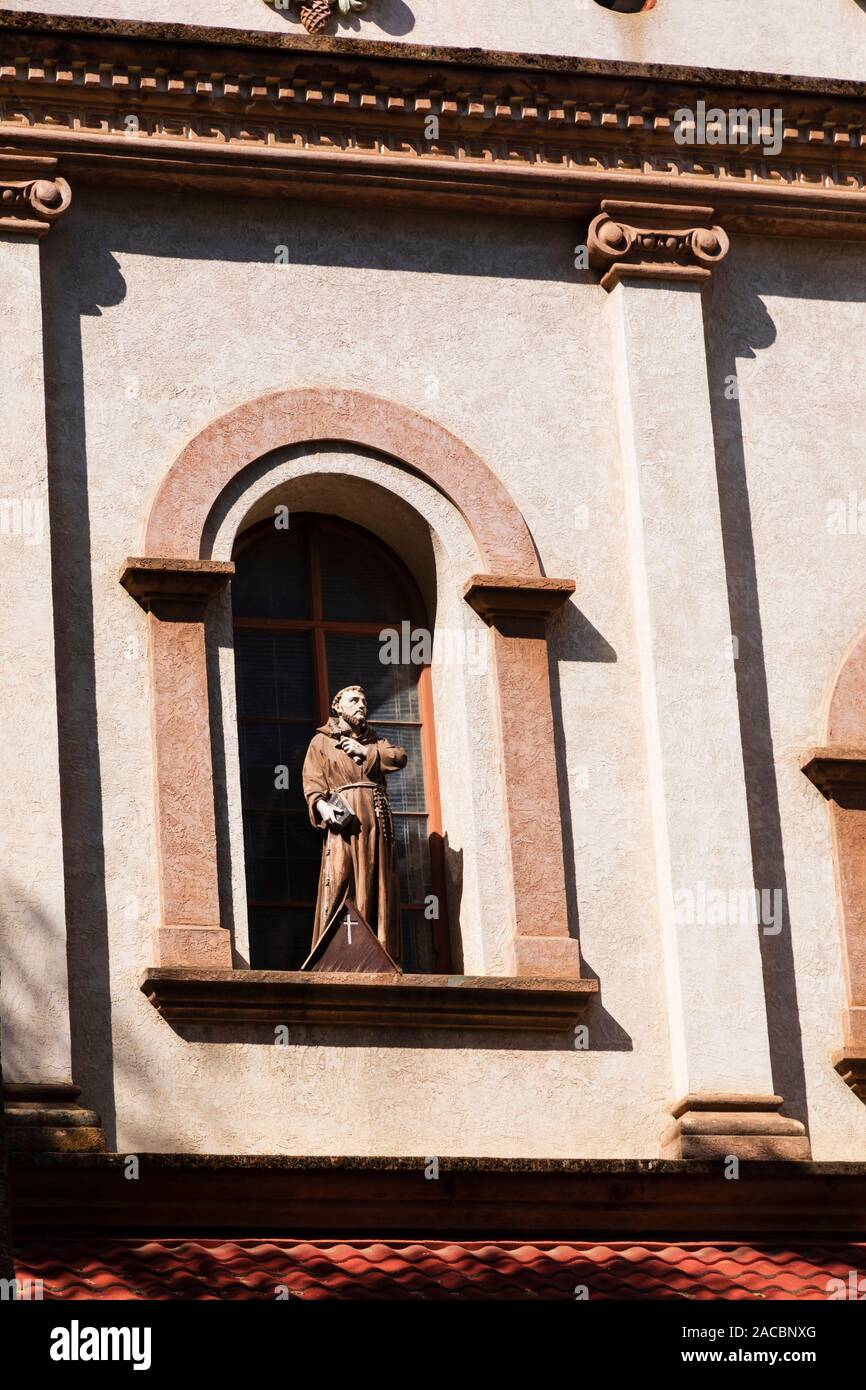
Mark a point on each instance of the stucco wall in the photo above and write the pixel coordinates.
(812, 37)
(159, 316)
(788, 323)
(167, 314)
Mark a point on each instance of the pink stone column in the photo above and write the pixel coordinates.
(518, 610)
(838, 770)
(175, 595)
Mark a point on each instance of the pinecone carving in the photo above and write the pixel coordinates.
(315, 16)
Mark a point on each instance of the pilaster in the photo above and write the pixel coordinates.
(655, 259)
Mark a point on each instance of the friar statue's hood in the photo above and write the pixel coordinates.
(332, 730)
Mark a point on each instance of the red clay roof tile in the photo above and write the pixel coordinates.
(94, 1267)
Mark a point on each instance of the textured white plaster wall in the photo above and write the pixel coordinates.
(811, 37)
(790, 321)
(165, 316)
(170, 314)
(35, 999)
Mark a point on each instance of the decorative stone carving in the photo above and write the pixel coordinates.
(654, 241)
(175, 584)
(315, 14)
(32, 197)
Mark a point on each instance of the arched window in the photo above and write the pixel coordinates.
(310, 604)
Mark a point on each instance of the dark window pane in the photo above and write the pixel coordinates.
(392, 690)
(413, 858)
(264, 837)
(265, 748)
(418, 956)
(304, 880)
(282, 854)
(280, 937)
(406, 787)
(274, 673)
(270, 576)
(359, 584)
(265, 846)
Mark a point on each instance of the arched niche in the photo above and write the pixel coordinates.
(175, 582)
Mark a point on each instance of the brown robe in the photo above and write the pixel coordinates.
(361, 865)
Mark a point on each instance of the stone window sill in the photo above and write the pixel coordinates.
(386, 1001)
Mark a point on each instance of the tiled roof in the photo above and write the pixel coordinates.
(173, 1268)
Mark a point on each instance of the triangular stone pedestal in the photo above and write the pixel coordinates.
(349, 946)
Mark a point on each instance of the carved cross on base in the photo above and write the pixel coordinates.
(349, 946)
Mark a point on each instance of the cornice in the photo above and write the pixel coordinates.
(37, 23)
(501, 1196)
(263, 114)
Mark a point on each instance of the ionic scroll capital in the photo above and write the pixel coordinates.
(655, 241)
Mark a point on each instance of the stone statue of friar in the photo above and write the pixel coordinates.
(347, 757)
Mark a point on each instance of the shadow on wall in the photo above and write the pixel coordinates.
(452, 863)
(739, 327)
(572, 638)
(762, 792)
(80, 777)
(301, 232)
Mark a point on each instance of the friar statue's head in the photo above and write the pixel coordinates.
(350, 704)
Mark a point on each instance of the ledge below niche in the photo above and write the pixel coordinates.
(385, 1001)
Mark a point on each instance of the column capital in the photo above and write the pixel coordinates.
(32, 196)
(837, 772)
(154, 582)
(655, 241)
(495, 596)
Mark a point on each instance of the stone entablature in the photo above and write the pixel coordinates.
(265, 113)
